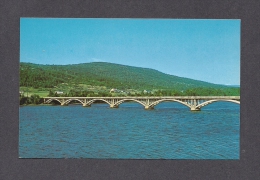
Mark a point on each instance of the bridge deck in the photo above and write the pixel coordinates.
(152, 97)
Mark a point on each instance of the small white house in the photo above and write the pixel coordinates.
(58, 92)
(146, 91)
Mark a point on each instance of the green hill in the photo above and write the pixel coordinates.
(107, 75)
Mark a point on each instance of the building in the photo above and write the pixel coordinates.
(58, 92)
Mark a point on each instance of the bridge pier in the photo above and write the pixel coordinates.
(62, 102)
(148, 107)
(86, 105)
(113, 106)
(194, 109)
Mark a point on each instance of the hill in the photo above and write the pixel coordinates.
(106, 75)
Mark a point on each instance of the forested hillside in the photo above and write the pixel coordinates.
(117, 76)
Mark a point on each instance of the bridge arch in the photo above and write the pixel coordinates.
(216, 100)
(50, 100)
(69, 100)
(93, 100)
(126, 100)
(169, 100)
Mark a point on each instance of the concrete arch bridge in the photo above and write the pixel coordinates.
(195, 103)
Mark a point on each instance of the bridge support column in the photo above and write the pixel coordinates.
(194, 109)
(86, 105)
(113, 106)
(148, 107)
(63, 103)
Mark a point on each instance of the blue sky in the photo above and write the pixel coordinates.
(207, 50)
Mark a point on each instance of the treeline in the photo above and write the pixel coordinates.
(213, 92)
(33, 99)
(188, 92)
(75, 93)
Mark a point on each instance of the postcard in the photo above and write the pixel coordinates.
(111, 88)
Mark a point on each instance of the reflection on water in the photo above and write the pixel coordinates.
(170, 131)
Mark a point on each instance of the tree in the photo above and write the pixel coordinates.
(34, 99)
(51, 94)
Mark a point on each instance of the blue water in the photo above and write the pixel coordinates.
(170, 131)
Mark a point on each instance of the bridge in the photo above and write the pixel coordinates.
(195, 103)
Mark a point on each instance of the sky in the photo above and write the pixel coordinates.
(206, 50)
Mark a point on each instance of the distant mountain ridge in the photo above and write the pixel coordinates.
(238, 86)
(105, 74)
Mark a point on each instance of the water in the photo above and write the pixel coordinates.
(170, 131)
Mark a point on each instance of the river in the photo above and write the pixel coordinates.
(170, 131)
